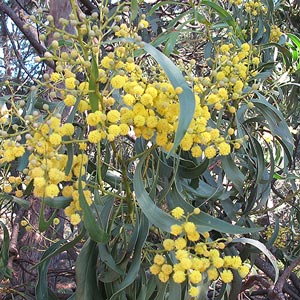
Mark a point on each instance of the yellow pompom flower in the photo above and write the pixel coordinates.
(193, 291)
(51, 190)
(55, 76)
(155, 269)
(179, 276)
(94, 136)
(118, 81)
(139, 120)
(243, 271)
(159, 259)
(129, 99)
(196, 151)
(168, 244)
(75, 219)
(176, 229)
(180, 243)
(177, 212)
(167, 269)
(113, 116)
(124, 129)
(114, 130)
(189, 227)
(194, 236)
(70, 83)
(18, 193)
(93, 118)
(236, 262)
(195, 277)
(210, 152)
(212, 273)
(143, 24)
(226, 276)
(224, 148)
(55, 139)
(218, 262)
(163, 277)
(69, 100)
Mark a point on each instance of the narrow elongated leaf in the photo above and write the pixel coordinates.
(153, 213)
(194, 172)
(94, 101)
(233, 173)
(4, 252)
(64, 247)
(86, 276)
(93, 227)
(134, 9)
(136, 259)
(170, 44)
(264, 250)
(224, 15)
(204, 221)
(41, 290)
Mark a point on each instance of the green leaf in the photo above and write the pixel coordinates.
(134, 9)
(41, 290)
(94, 101)
(204, 221)
(4, 253)
(194, 172)
(58, 202)
(86, 273)
(170, 44)
(264, 250)
(153, 213)
(90, 222)
(225, 16)
(43, 223)
(135, 264)
(233, 173)
(64, 247)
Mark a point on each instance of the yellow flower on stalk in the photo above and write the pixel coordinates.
(243, 271)
(113, 116)
(55, 139)
(70, 83)
(195, 277)
(155, 269)
(210, 152)
(180, 243)
(51, 190)
(118, 81)
(193, 291)
(179, 276)
(75, 219)
(224, 148)
(226, 276)
(55, 76)
(177, 212)
(159, 259)
(168, 244)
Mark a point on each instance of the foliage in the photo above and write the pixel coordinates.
(160, 150)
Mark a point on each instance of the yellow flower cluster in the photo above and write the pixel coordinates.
(197, 257)
(252, 7)
(282, 237)
(275, 34)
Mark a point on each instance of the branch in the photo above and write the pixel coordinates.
(279, 286)
(40, 49)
